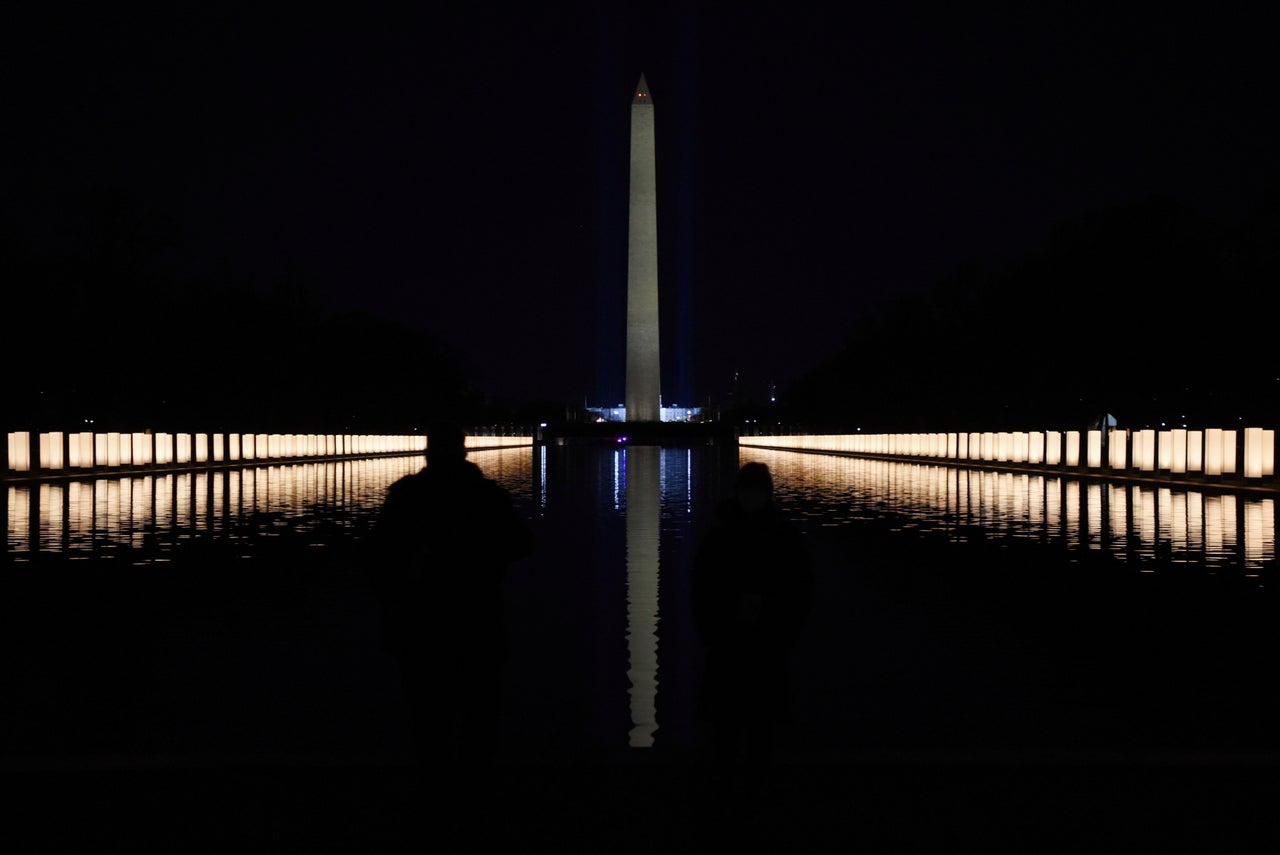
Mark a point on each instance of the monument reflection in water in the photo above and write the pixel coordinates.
(605, 650)
(644, 521)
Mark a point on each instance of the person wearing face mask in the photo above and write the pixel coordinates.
(752, 587)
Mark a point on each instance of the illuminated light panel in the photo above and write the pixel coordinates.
(1035, 448)
(80, 450)
(51, 451)
(1213, 451)
(1053, 448)
(165, 443)
(1178, 464)
(113, 449)
(1144, 452)
(1195, 450)
(1118, 447)
(19, 451)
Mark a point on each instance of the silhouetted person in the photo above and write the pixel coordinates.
(445, 538)
(752, 588)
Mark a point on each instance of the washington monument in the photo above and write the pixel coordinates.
(644, 376)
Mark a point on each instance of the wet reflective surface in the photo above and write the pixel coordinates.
(1132, 522)
(983, 626)
(1136, 523)
(605, 656)
(100, 517)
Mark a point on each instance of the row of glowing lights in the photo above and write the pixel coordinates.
(88, 450)
(1179, 451)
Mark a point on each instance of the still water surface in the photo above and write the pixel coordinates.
(604, 645)
(1133, 521)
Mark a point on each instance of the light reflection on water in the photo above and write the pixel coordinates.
(100, 515)
(1131, 521)
(644, 495)
(620, 527)
(1138, 522)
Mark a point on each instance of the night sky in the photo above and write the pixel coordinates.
(461, 168)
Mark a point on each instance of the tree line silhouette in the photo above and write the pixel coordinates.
(100, 334)
(1151, 311)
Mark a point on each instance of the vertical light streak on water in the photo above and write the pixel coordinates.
(235, 488)
(643, 467)
(140, 509)
(542, 479)
(942, 510)
(80, 515)
(265, 489)
(1259, 533)
(1164, 517)
(996, 500)
(165, 509)
(244, 496)
(619, 480)
(688, 481)
(1053, 505)
(292, 490)
(973, 492)
(1145, 518)
(1195, 523)
(1118, 498)
(1071, 511)
(200, 486)
(1035, 506)
(106, 499)
(1178, 525)
(50, 520)
(935, 489)
(1229, 527)
(972, 496)
(217, 500)
(342, 483)
(1001, 501)
(115, 520)
(182, 501)
(17, 519)
(1021, 504)
(986, 498)
(1214, 530)
(318, 481)
(1093, 505)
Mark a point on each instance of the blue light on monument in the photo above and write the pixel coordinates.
(666, 414)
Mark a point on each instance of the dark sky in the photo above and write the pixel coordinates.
(461, 167)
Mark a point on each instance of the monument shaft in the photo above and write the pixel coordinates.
(643, 393)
